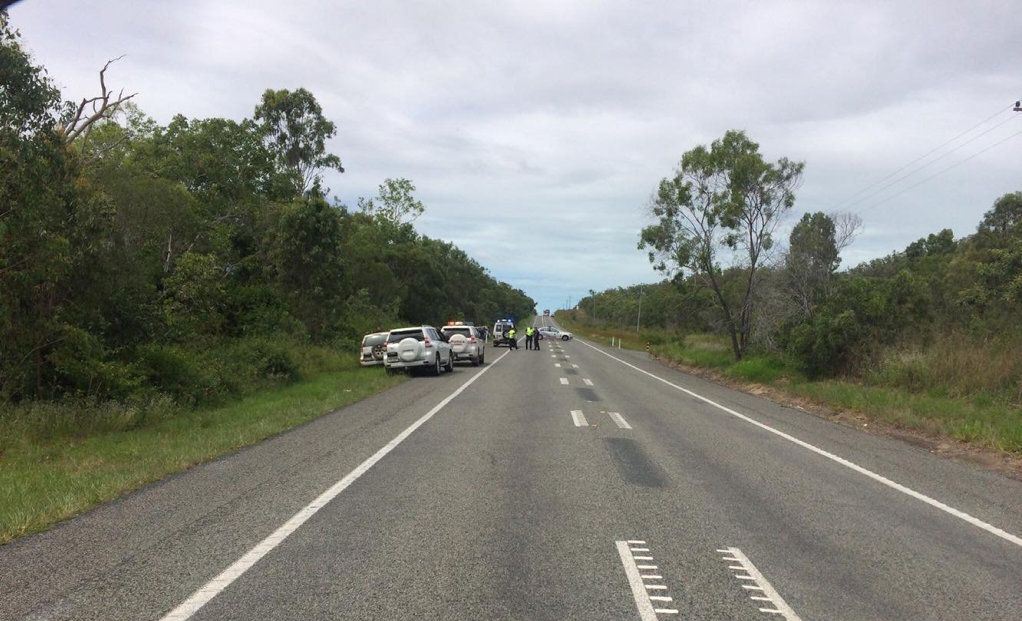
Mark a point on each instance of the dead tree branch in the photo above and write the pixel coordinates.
(93, 109)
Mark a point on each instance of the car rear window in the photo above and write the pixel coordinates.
(374, 339)
(400, 335)
(450, 331)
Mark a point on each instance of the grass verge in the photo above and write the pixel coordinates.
(977, 420)
(45, 478)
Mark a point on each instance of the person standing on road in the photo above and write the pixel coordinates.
(530, 337)
(512, 339)
(535, 340)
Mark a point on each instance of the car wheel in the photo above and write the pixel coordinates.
(435, 369)
(564, 338)
(477, 360)
(450, 363)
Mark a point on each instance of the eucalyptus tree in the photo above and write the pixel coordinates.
(715, 219)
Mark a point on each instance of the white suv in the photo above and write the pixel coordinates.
(466, 343)
(419, 347)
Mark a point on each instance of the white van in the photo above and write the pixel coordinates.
(499, 330)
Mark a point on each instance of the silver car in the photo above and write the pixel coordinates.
(550, 332)
(467, 343)
(419, 347)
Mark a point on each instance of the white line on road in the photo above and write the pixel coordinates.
(557, 364)
(211, 589)
(579, 418)
(642, 601)
(978, 523)
(564, 381)
(574, 366)
(781, 607)
(587, 381)
(619, 420)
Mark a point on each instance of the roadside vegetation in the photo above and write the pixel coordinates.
(154, 276)
(927, 338)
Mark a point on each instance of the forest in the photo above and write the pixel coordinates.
(201, 258)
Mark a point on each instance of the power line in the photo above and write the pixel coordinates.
(923, 156)
(887, 185)
(942, 171)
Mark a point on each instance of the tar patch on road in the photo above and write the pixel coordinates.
(570, 372)
(633, 464)
(587, 393)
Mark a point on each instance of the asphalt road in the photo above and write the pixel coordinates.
(576, 482)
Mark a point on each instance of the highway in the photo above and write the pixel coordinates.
(573, 482)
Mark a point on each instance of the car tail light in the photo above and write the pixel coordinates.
(471, 339)
(427, 343)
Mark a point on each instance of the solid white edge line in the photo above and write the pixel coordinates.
(211, 589)
(642, 602)
(978, 523)
(775, 598)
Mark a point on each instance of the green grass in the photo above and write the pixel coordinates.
(47, 475)
(986, 418)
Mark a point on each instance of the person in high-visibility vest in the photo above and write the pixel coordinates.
(530, 338)
(512, 338)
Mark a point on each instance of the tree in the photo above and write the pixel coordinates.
(92, 110)
(811, 261)
(395, 202)
(295, 127)
(722, 204)
(1005, 218)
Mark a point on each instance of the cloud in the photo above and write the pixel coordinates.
(535, 131)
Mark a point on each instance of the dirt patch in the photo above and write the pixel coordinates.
(1004, 463)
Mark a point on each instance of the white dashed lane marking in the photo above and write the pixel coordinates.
(651, 598)
(579, 418)
(564, 381)
(587, 381)
(761, 591)
(619, 420)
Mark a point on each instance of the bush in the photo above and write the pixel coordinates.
(82, 366)
(826, 345)
(176, 371)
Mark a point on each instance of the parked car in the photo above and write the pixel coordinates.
(551, 332)
(467, 343)
(374, 349)
(499, 330)
(418, 347)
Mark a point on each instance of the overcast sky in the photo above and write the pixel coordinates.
(535, 131)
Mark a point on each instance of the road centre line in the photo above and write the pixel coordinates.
(587, 381)
(643, 600)
(557, 364)
(619, 420)
(214, 587)
(564, 381)
(770, 594)
(1003, 534)
(574, 366)
(579, 418)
